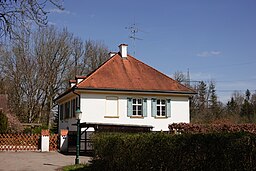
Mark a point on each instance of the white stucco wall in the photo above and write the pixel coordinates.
(93, 107)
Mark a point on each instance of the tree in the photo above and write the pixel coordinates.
(247, 108)
(180, 76)
(39, 68)
(16, 14)
(198, 106)
(247, 94)
(213, 102)
(95, 54)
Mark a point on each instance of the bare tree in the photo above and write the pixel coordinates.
(38, 69)
(95, 54)
(16, 14)
(53, 55)
(180, 77)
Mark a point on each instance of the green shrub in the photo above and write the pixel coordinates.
(34, 130)
(160, 151)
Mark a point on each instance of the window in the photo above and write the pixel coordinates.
(73, 108)
(111, 107)
(61, 112)
(67, 110)
(160, 106)
(137, 107)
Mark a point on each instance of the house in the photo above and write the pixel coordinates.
(124, 93)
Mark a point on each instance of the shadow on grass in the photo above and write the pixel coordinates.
(95, 165)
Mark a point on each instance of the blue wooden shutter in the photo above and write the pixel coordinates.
(129, 106)
(144, 106)
(153, 107)
(168, 107)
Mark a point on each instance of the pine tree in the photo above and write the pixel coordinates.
(247, 108)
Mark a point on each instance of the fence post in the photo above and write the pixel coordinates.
(63, 140)
(45, 140)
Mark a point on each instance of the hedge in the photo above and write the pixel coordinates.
(164, 152)
(211, 128)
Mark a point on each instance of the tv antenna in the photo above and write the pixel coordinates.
(133, 31)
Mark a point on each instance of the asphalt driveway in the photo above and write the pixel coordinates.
(36, 161)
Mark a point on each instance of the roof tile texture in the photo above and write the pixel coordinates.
(130, 74)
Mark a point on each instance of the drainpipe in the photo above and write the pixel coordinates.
(79, 97)
(78, 116)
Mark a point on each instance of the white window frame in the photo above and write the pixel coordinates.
(136, 105)
(161, 105)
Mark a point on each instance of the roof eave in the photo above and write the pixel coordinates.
(64, 94)
(138, 91)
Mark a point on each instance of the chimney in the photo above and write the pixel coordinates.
(111, 54)
(72, 83)
(123, 50)
(79, 79)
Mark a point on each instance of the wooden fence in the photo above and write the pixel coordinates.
(26, 142)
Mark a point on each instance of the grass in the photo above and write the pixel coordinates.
(78, 167)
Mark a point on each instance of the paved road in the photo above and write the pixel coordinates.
(36, 161)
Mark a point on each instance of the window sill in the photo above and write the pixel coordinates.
(111, 116)
(141, 117)
(161, 117)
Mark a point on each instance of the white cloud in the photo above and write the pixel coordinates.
(59, 11)
(51, 23)
(208, 53)
(199, 76)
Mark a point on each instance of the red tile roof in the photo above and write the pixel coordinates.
(130, 74)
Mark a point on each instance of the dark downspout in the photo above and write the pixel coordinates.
(78, 138)
(79, 97)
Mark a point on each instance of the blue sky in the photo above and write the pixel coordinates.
(215, 39)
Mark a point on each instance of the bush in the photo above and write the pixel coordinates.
(3, 122)
(34, 130)
(160, 151)
(211, 128)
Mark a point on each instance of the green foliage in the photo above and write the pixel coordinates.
(3, 122)
(35, 130)
(78, 167)
(160, 151)
(247, 111)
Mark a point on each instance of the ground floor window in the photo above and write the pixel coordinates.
(161, 107)
(137, 107)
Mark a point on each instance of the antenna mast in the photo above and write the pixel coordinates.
(133, 31)
(188, 78)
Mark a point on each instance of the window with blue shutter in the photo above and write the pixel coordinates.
(137, 107)
(161, 107)
(153, 107)
(144, 106)
(168, 107)
(129, 107)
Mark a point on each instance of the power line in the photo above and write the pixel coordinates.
(226, 66)
(197, 81)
